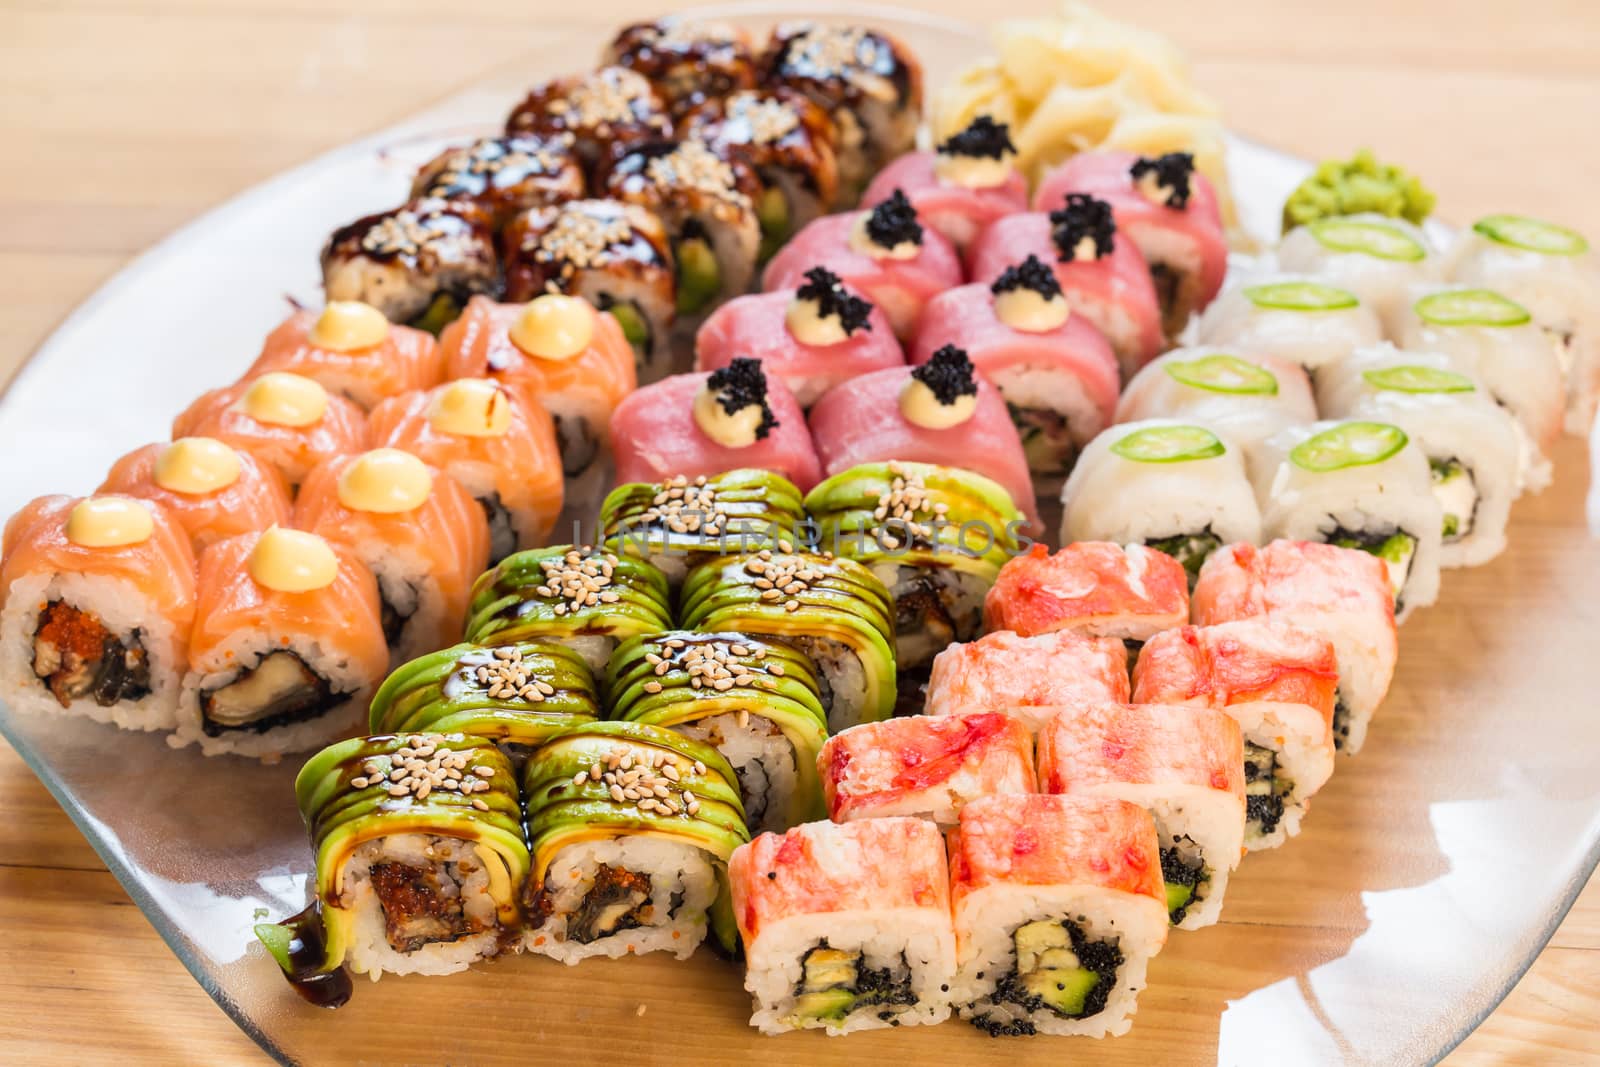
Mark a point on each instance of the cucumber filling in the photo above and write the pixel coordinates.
(1046, 439)
(1396, 549)
(635, 327)
(75, 656)
(699, 275)
(772, 212)
(441, 311)
(1189, 549)
(836, 982)
(1058, 969)
(1265, 790)
(1185, 874)
(1457, 493)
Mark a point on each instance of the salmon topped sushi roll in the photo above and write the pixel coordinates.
(970, 180)
(687, 61)
(495, 441)
(611, 107)
(286, 420)
(353, 351)
(1028, 678)
(504, 175)
(97, 597)
(214, 490)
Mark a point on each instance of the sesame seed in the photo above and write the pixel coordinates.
(478, 803)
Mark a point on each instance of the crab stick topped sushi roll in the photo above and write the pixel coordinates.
(1341, 593)
(1278, 682)
(1185, 765)
(687, 62)
(97, 597)
(811, 338)
(845, 927)
(504, 175)
(1059, 906)
(1246, 397)
(610, 108)
(1053, 367)
(885, 253)
(496, 442)
(1294, 317)
(287, 420)
(958, 189)
(1030, 679)
(212, 489)
(353, 351)
(287, 646)
(1378, 258)
(925, 767)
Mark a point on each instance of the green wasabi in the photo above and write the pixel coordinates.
(1354, 186)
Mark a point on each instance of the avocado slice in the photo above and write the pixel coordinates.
(1178, 896)
(829, 968)
(441, 311)
(1065, 989)
(828, 1004)
(632, 323)
(699, 276)
(772, 212)
(1033, 940)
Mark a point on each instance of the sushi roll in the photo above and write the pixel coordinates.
(631, 827)
(1059, 906)
(811, 338)
(1104, 279)
(834, 610)
(572, 359)
(611, 108)
(504, 175)
(787, 141)
(869, 83)
(213, 490)
(936, 537)
(614, 255)
(353, 351)
(755, 701)
(704, 424)
(585, 599)
(1278, 683)
(940, 412)
(1551, 271)
(1171, 485)
(1246, 398)
(1356, 484)
(496, 442)
(418, 264)
(686, 62)
(970, 180)
(1470, 441)
(1379, 259)
(1342, 594)
(415, 528)
(845, 927)
(1164, 206)
(97, 598)
(287, 646)
(925, 767)
(1185, 765)
(288, 421)
(419, 861)
(1028, 678)
(1295, 318)
(884, 253)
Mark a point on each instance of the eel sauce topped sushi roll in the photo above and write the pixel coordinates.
(811, 338)
(212, 489)
(614, 255)
(1551, 271)
(504, 175)
(1059, 906)
(834, 610)
(1174, 486)
(353, 351)
(925, 767)
(417, 530)
(968, 182)
(585, 599)
(940, 412)
(868, 82)
(1341, 593)
(1054, 369)
(1470, 441)
(411, 877)
(935, 536)
(286, 420)
(884, 253)
(1356, 484)
(703, 424)
(1378, 258)
(1185, 765)
(1030, 679)
(611, 108)
(1164, 206)
(97, 598)
(1296, 318)
(499, 444)
(1104, 279)
(1278, 682)
(787, 140)
(846, 927)
(287, 646)
(1246, 398)
(631, 827)
(418, 264)
(686, 62)
(755, 701)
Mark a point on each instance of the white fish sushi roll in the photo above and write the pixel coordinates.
(1246, 398)
(1291, 316)
(1356, 484)
(1378, 258)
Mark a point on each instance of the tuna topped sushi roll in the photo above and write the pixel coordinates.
(687, 63)
(845, 927)
(1293, 317)
(610, 108)
(1185, 765)
(1058, 908)
(971, 180)
(213, 490)
(811, 338)
(1030, 679)
(504, 175)
(1246, 398)
(1379, 259)
(353, 351)
(925, 767)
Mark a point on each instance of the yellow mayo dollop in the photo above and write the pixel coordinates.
(471, 407)
(197, 466)
(554, 326)
(973, 172)
(920, 406)
(348, 325)
(385, 481)
(1150, 184)
(1024, 309)
(293, 561)
(109, 522)
(737, 430)
(861, 242)
(284, 399)
(810, 327)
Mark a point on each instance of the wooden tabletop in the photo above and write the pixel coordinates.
(134, 116)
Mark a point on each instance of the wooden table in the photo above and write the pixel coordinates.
(133, 116)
